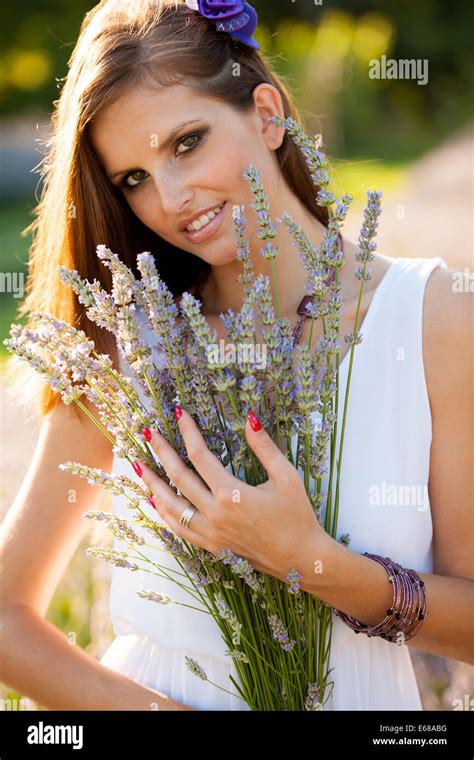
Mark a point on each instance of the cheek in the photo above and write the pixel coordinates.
(146, 208)
(216, 174)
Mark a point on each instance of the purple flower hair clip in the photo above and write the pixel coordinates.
(234, 17)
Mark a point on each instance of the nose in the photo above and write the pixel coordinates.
(174, 197)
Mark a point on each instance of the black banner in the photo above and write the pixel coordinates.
(62, 734)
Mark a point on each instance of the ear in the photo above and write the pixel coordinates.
(268, 103)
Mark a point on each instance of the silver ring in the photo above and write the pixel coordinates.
(186, 516)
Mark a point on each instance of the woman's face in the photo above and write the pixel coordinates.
(168, 170)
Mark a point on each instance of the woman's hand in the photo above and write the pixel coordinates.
(266, 524)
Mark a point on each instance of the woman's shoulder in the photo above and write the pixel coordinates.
(448, 346)
(448, 322)
(448, 305)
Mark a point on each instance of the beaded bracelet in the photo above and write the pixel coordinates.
(409, 605)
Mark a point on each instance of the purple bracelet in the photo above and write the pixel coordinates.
(409, 604)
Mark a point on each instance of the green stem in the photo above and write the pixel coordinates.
(346, 401)
(275, 283)
(226, 690)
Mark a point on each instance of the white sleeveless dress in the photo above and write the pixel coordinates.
(387, 445)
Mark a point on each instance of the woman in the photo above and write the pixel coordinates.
(160, 113)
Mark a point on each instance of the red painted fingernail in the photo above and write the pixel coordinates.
(147, 434)
(137, 469)
(254, 421)
(178, 413)
(152, 502)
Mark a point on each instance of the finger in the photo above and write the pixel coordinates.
(209, 467)
(165, 496)
(274, 461)
(192, 533)
(170, 506)
(188, 483)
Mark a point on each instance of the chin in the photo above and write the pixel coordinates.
(220, 255)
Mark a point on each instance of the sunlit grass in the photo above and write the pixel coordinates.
(26, 69)
(358, 176)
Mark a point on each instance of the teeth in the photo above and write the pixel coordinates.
(198, 224)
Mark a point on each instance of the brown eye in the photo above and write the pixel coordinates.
(134, 178)
(196, 137)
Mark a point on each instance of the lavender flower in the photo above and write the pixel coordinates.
(367, 233)
(195, 668)
(226, 614)
(242, 568)
(294, 578)
(267, 230)
(236, 655)
(113, 557)
(242, 247)
(312, 698)
(306, 386)
(116, 484)
(154, 596)
(280, 633)
(118, 526)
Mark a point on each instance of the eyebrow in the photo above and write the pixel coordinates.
(166, 144)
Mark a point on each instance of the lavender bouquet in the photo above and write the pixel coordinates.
(278, 636)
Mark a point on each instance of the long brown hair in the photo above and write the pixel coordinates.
(124, 43)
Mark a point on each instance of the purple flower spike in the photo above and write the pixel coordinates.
(235, 17)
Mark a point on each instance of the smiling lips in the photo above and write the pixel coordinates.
(205, 226)
(198, 224)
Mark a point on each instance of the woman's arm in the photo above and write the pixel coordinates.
(38, 537)
(40, 661)
(357, 585)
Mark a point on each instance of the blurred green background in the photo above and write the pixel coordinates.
(406, 138)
